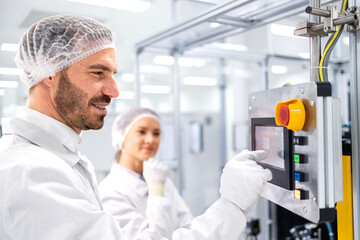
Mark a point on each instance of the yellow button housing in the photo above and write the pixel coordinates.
(296, 111)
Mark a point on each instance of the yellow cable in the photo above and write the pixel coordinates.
(321, 75)
(325, 52)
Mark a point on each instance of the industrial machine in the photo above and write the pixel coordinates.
(299, 127)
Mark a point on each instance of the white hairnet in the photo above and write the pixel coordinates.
(55, 43)
(124, 122)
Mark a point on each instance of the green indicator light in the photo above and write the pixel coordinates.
(296, 158)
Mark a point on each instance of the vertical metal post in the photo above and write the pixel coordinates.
(355, 124)
(222, 133)
(266, 71)
(175, 15)
(136, 78)
(177, 119)
(315, 45)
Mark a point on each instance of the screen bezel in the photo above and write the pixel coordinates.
(282, 178)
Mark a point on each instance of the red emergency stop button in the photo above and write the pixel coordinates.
(290, 114)
(284, 115)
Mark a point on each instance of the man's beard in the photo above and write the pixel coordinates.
(74, 108)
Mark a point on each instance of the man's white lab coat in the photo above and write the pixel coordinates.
(48, 190)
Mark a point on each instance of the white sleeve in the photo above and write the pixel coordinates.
(222, 220)
(183, 214)
(154, 225)
(44, 203)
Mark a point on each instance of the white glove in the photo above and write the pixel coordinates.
(243, 179)
(155, 174)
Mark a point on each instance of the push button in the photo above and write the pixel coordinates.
(300, 140)
(301, 194)
(290, 114)
(299, 158)
(299, 176)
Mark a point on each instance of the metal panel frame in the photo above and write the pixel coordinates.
(319, 131)
(355, 124)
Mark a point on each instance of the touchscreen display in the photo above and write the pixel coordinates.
(271, 140)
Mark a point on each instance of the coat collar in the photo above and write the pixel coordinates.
(45, 132)
(134, 181)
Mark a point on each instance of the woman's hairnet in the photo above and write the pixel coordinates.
(55, 43)
(124, 122)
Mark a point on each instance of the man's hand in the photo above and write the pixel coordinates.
(243, 179)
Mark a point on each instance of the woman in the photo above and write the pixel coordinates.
(137, 191)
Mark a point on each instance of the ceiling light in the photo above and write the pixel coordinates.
(228, 46)
(279, 69)
(9, 71)
(191, 62)
(155, 69)
(214, 24)
(130, 77)
(2, 92)
(132, 5)
(200, 81)
(243, 73)
(164, 60)
(128, 95)
(157, 89)
(304, 55)
(283, 30)
(9, 84)
(9, 47)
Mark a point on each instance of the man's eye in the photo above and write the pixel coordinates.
(97, 73)
(141, 132)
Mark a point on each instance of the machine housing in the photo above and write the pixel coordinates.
(306, 164)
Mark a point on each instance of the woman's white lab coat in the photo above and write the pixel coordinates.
(125, 195)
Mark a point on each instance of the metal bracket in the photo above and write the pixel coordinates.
(332, 18)
(329, 26)
(355, 26)
(304, 29)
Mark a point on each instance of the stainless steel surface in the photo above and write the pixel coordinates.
(315, 45)
(317, 128)
(329, 26)
(317, 11)
(355, 124)
(177, 120)
(341, 20)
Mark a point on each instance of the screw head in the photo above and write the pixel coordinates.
(304, 210)
(351, 9)
(301, 90)
(351, 28)
(311, 103)
(314, 199)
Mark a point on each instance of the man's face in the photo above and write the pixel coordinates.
(85, 90)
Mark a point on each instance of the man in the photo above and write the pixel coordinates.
(48, 189)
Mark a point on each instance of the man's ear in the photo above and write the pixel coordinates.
(49, 81)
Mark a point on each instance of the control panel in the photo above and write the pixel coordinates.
(299, 127)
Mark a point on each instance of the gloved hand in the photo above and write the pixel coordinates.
(155, 174)
(243, 179)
